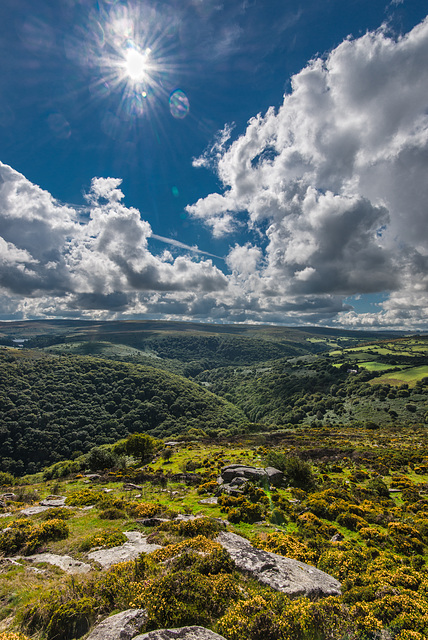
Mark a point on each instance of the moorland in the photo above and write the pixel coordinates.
(132, 421)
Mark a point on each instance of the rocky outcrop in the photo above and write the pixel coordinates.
(234, 476)
(53, 501)
(184, 633)
(282, 574)
(137, 543)
(66, 563)
(122, 626)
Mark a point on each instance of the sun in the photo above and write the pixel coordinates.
(137, 64)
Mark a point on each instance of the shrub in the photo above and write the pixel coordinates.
(113, 514)
(83, 498)
(192, 528)
(11, 635)
(72, 619)
(6, 480)
(106, 539)
(22, 535)
(200, 543)
(56, 513)
(297, 472)
(144, 509)
(286, 545)
(185, 598)
(275, 617)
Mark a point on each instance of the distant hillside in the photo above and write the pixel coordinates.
(53, 408)
(180, 347)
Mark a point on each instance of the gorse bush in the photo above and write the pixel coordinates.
(192, 528)
(25, 537)
(106, 540)
(183, 598)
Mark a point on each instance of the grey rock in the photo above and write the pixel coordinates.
(239, 470)
(122, 626)
(32, 511)
(55, 502)
(151, 522)
(282, 574)
(10, 496)
(66, 563)
(184, 633)
(130, 550)
(130, 486)
(210, 500)
(275, 476)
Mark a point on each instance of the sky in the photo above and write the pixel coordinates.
(257, 161)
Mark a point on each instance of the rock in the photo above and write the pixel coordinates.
(184, 633)
(242, 471)
(130, 550)
(122, 626)
(132, 487)
(92, 476)
(211, 500)
(10, 496)
(282, 574)
(151, 522)
(5, 515)
(55, 502)
(275, 476)
(66, 563)
(32, 511)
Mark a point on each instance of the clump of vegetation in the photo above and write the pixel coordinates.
(22, 536)
(106, 540)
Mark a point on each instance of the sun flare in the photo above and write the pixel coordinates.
(136, 64)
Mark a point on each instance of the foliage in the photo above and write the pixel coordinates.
(106, 540)
(55, 408)
(25, 537)
(297, 472)
(71, 620)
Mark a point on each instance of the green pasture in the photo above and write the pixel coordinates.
(408, 376)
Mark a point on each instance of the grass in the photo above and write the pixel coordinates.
(409, 376)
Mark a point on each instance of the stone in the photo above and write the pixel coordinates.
(137, 543)
(66, 563)
(184, 633)
(59, 501)
(10, 496)
(289, 576)
(122, 626)
(275, 476)
(239, 470)
(32, 511)
(151, 522)
(210, 500)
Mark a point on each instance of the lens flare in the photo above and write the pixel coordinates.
(131, 50)
(179, 104)
(137, 64)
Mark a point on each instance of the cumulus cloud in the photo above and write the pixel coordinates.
(56, 259)
(334, 182)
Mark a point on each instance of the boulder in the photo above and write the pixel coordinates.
(282, 574)
(130, 550)
(66, 563)
(122, 626)
(275, 476)
(232, 471)
(58, 501)
(184, 633)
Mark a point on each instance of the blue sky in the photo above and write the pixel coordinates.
(239, 161)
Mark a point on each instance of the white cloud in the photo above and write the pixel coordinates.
(57, 259)
(335, 180)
